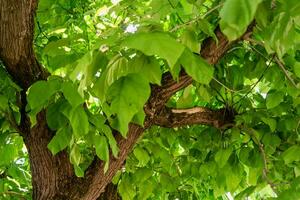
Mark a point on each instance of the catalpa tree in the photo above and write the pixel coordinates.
(204, 93)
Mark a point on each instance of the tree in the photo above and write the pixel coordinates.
(213, 87)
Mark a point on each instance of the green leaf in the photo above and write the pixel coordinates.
(245, 193)
(197, 67)
(8, 154)
(157, 43)
(128, 96)
(291, 154)
(274, 99)
(168, 182)
(232, 179)
(254, 174)
(75, 155)
(54, 47)
(145, 190)
(271, 122)
(297, 69)
(187, 98)
(207, 28)
(148, 67)
(3, 102)
(38, 94)
(79, 122)
(117, 68)
(255, 159)
(143, 174)
(271, 142)
(126, 190)
(142, 156)
(116, 177)
(88, 65)
(236, 15)
(203, 93)
(139, 118)
(281, 36)
(222, 157)
(71, 94)
(99, 122)
(189, 39)
(78, 171)
(111, 140)
(61, 140)
(101, 147)
(244, 154)
(55, 118)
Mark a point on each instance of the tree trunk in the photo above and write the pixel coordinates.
(52, 176)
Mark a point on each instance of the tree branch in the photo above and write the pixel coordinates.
(265, 170)
(281, 66)
(95, 176)
(171, 118)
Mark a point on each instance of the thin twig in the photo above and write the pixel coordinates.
(180, 19)
(223, 100)
(255, 84)
(280, 64)
(227, 88)
(264, 157)
(41, 30)
(11, 118)
(197, 18)
(251, 40)
(12, 193)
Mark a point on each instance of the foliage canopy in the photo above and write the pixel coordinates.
(105, 59)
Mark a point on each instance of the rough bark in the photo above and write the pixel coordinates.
(53, 176)
(16, 35)
(171, 118)
(111, 193)
(95, 176)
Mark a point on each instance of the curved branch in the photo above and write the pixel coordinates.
(95, 176)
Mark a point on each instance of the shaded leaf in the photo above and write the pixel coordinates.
(61, 140)
(128, 96)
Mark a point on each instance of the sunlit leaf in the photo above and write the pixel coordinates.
(236, 16)
(160, 44)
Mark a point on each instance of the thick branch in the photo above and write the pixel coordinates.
(96, 177)
(171, 118)
(211, 51)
